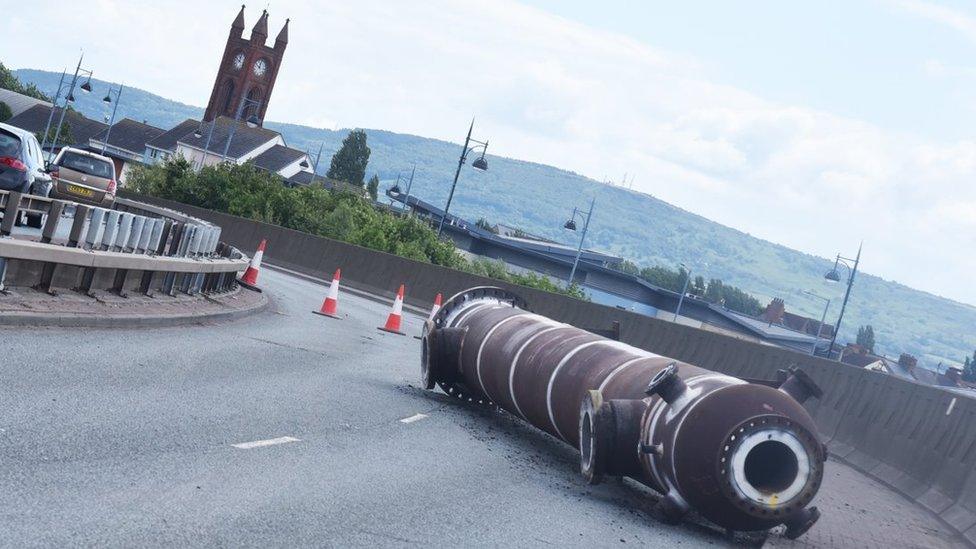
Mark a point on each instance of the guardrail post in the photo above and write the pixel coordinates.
(10, 213)
(137, 222)
(189, 279)
(125, 225)
(111, 228)
(181, 251)
(53, 220)
(93, 227)
(174, 246)
(77, 225)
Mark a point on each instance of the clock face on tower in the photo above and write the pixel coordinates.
(260, 67)
(239, 61)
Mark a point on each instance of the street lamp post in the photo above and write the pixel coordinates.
(252, 122)
(823, 318)
(479, 164)
(684, 290)
(833, 275)
(50, 115)
(108, 99)
(69, 98)
(571, 225)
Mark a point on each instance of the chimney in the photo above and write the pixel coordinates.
(775, 311)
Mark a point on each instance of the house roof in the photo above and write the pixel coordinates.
(19, 102)
(166, 141)
(35, 120)
(129, 135)
(277, 158)
(245, 138)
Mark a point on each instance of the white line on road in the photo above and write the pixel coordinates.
(413, 418)
(268, 442)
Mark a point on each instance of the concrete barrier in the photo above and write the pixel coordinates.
(896, 430)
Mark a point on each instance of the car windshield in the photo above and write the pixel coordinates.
(9, 144)
(87, 165)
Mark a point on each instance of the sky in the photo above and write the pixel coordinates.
(814, 125)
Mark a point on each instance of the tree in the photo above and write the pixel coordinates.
(373, 187)
(865, 337)
(10, 82)
(5, 112)
(349, 162)
(486, 225)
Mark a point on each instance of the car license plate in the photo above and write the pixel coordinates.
(80, 191)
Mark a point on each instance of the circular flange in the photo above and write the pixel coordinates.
(480, 292)
(782, 502)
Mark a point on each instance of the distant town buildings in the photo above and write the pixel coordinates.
(245, 79)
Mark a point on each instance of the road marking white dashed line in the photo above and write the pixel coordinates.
(413, 418)
(268, 442)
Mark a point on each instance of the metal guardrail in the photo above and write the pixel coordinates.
(184, 251)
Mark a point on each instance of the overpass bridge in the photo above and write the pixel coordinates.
(127, 437)
(287, 428)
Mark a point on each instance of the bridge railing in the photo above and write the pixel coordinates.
(86, 247)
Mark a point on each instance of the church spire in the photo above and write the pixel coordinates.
(282, 39)
(237, 27)
(259, 33)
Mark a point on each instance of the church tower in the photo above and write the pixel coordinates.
(248, 69)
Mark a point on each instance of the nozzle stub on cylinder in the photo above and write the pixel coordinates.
(771, 467)
(667, 384)
(609, 436)
(800, 386)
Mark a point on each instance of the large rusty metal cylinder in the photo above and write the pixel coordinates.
(744, 455)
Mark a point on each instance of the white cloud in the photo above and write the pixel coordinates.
(551, 90)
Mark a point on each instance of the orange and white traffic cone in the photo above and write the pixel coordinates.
(250, 278)
(436, 307)
(331, 304)
(433, 310)
(395, 317)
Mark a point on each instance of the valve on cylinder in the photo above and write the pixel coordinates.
(743, 455)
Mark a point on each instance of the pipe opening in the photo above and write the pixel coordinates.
(771, 467)
(586, 440)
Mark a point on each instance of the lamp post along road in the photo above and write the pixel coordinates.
(108, 99)
(684, 290)
(479, 164)
(571, 225)
(50, 115)
(834, 276)
(823, 319)
(86, 87)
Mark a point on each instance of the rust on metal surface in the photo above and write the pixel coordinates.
(743, 455)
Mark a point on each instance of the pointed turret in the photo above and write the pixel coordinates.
(237, 27)
(259, 33)
(282, 39)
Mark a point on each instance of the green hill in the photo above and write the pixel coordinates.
(640, 227)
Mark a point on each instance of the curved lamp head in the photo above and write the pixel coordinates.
(304, 163)
(107, 99)
(480, 164)
(571, 225)
(86, 87)
(198, 133)
(71, 98)
(253, 121)
(832, 275)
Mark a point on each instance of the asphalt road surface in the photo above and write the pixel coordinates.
(292, 429)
